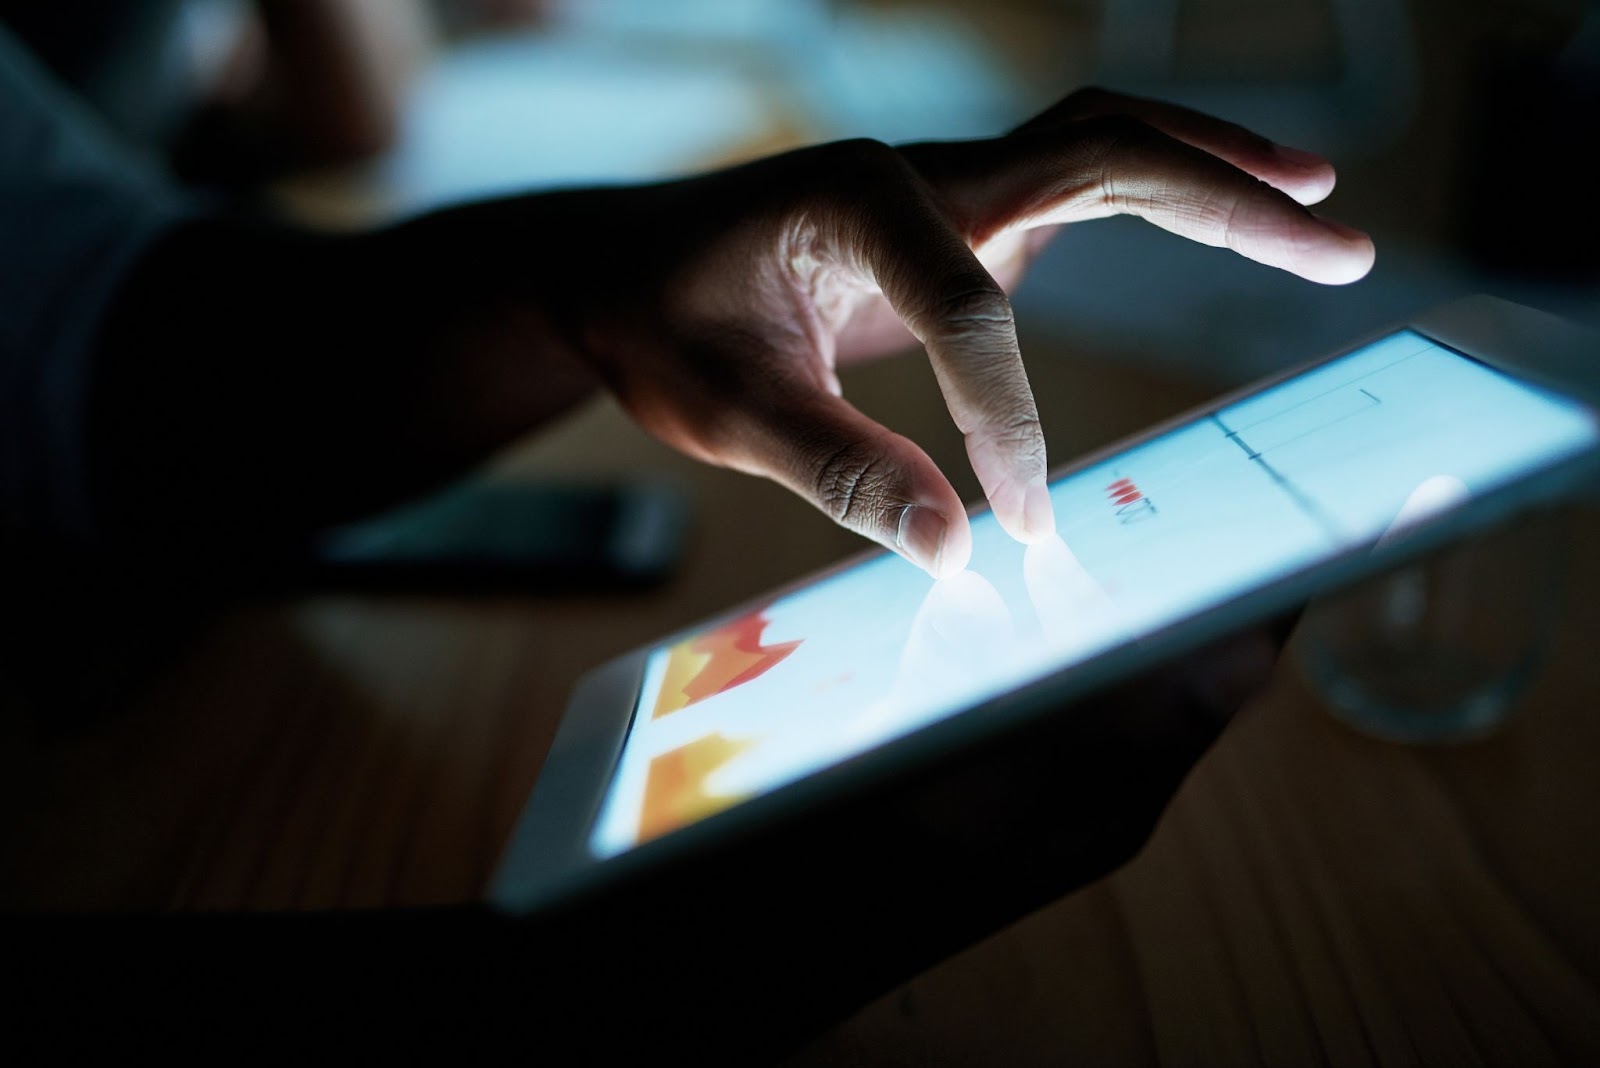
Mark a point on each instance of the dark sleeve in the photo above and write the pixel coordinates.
(76, 211)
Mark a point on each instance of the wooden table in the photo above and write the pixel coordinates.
(1312, 896)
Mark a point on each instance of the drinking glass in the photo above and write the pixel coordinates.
(1441, 649)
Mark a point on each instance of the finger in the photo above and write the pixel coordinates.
(1120, 166)
(904, 243)
(1305, 176)
(861, 474)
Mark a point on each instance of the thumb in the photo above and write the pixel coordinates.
(860, 473)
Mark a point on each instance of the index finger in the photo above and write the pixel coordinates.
(930, 276)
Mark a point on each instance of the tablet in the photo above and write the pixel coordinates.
(749, 762)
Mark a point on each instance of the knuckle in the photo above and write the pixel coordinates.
(1020, 435)
(1199, 212)
(1021, 429)
(1105, 145)
(1228, 213)
(983, 306)
(853, 175)
(853, 482)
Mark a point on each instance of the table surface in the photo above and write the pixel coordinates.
(1311, 895)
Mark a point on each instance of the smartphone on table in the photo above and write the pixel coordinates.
(489, 535)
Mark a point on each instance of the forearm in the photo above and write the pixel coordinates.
(257, 382)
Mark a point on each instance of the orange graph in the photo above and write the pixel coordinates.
(717, 661)
(675, 791)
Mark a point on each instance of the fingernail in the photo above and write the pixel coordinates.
(1038, 514)
(920, 536)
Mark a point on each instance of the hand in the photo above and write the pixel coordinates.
(721, 332)
(376, 365)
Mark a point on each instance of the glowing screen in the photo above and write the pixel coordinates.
(1323, 461)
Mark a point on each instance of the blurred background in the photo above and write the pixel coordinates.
(1456, 127)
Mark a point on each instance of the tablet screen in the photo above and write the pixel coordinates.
(1324, 461)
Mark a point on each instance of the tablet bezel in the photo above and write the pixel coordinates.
(547, 859)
